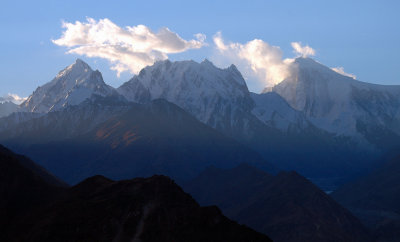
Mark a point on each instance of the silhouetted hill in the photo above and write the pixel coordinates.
(375, 199)
(99, 209)
(287, 206)
(24, 187)
(141, 209)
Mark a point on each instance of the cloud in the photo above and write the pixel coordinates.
(341, 71)
(303, 51)
(12, 98)
(256, 59)
(128, 49)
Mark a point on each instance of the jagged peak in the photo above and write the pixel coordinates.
(162, 62)
(207, 62)
(185, 64)
(80, 63)
(78, 67)
(233, 68)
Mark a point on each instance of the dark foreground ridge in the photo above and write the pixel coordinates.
(375, 199)
(99, 209)
(286, 206)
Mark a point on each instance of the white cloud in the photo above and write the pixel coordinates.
(303, 51)
(256, 59)
(12, 98)
(128, 49)
(341, 71)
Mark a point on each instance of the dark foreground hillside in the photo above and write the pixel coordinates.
(287, 206)
(375, 199)
(99, 209)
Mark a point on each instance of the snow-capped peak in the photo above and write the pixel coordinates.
(338, 103)
(14, 98)
(202, 89)
(71, 86)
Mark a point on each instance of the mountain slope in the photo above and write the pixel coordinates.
(375, 199)
(264, 122)
(123, 140)
(24, 186)
(98, 209)
(141, 209)
(276, 112)
(214, 96)
(71, 86)
(286, 206)
(341, 105)
(6, 108)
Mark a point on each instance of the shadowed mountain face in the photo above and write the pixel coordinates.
(287, 207)
(24, 187)
(132, 140)
(6, 108)
(99, 209)
(142, 209)
(375, 199)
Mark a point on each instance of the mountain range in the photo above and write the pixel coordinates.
(180, 118)
(123, 140)
(299, 124)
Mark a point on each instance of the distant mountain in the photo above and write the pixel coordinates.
(6, 108)
(123, 140)
(276, 112)
(12, 98)
(375, 199)
(368, 113)
(264, 122)
(71, 86)
(34, 208)
(26, 128)
(287, 207)
(217, 97)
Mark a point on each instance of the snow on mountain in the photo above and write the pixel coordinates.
(71, 86)
(12, 98)
(217, 97)
(274, 111)
(9, 104)
(340, 104)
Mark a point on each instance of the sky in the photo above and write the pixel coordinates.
(40, 38)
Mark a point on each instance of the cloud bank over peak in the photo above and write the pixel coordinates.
(341, 71)
(303, 51)
(12, 98)
(128, 49)
(258, 60)
(131, 48)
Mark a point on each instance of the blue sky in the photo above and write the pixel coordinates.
(361, 36)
